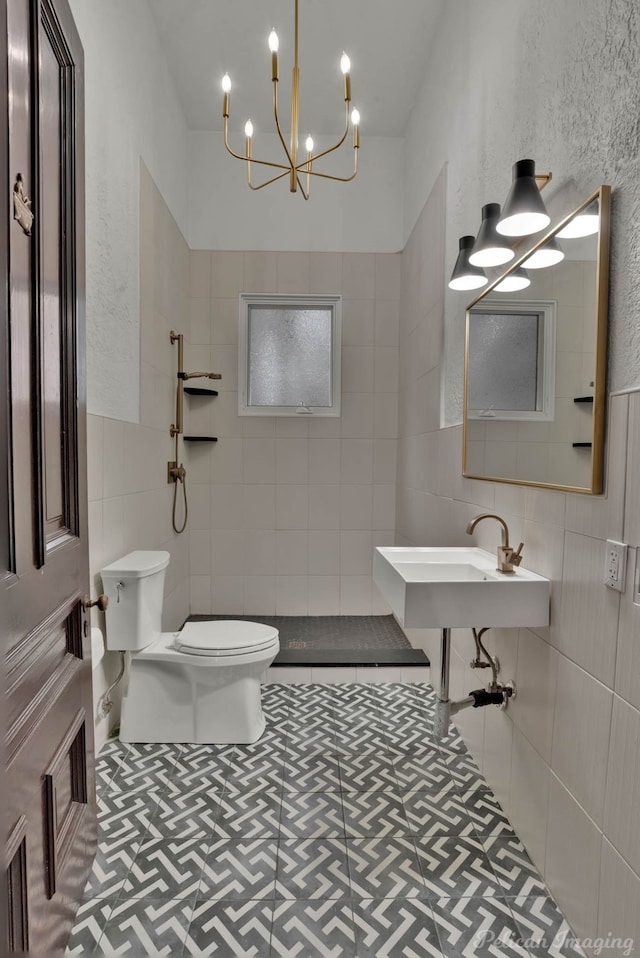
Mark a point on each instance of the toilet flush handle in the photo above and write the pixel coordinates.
(119, 587)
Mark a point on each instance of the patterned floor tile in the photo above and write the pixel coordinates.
(322, 929)
(188, 813)
(374, 814)
(147, 766)
(456, 868)
(90, 920)
(465, 773)
(477, 928)
(387, 694)
(311, 694)
(110, 868)
(422, 771)
(312, 815)
(107, 768)
(418, 736)
(371, 772)
(249, 815)
(125, 816)
(347, 760)
(255, 771)
(138, 927)
(395, 928)
(229, 929)
(312, 772)
(360, 738)
(384, 868)
(543, 928)
(240, 868)
(452, 743)
(437, 813)
(164, 868)
(486, 813)
(312, 868)
(201, 765)
(304, 737)
(516, 873)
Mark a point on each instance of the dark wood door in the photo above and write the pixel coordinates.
(43, 509)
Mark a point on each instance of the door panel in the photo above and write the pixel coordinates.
(43, 565)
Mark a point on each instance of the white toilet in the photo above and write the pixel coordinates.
(199, 685)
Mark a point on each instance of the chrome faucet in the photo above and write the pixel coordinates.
(508, 558)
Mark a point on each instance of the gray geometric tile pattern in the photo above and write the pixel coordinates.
(347, 830)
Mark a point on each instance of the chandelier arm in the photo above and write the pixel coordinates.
(302, 189)
(338, 179)
(277, 119)
(251, 159)
(331, 149)
(272, 180)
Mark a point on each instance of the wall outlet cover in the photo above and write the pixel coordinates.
(615, 565)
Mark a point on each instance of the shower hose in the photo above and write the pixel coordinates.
(183, 482)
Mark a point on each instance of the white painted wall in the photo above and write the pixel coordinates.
(132, 111)
(557, 82)
(363, 216)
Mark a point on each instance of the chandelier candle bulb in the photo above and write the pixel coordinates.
(226, 89)
(274, 44)
(345, 66)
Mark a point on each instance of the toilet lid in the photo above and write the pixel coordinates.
(225, 637)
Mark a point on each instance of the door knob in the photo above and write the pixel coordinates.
(102, 602)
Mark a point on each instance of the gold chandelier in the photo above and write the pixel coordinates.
(294, 168)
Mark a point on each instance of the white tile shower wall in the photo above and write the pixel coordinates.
(564, 758)
(285, 513)
(129, 500)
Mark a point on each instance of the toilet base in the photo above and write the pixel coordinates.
(177, 701)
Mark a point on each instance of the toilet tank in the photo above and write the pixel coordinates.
(134, 586)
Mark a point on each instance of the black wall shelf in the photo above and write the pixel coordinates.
(200, 438)
(199, 391)
(581, 445)
(583, 399)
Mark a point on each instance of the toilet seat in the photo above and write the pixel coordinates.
(225, 637)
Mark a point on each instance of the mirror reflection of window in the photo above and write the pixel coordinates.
(536, 364)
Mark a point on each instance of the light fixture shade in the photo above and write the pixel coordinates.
(518, 279)
(466, 276)
(524, 211)
(585, 223)
(547, 255)
(490, 249)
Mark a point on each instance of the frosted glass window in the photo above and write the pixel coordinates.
(504, 373)
(510, 370)
(289, 355)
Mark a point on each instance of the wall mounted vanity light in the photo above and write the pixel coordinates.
(547, 255)
(524, 212)
(466, 276)
(517, 280)
(490, 248)
(584, 224)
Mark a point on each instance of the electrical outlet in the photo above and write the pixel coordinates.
(615, 565)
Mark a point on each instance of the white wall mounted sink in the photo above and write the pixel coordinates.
(432, 588)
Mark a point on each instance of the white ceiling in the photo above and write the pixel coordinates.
(388, 42)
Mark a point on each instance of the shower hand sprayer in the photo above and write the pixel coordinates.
(177, 473)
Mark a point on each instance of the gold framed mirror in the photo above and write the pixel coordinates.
(535, 361)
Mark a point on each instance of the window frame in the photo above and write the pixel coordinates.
(545, 310)
(290, 301)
